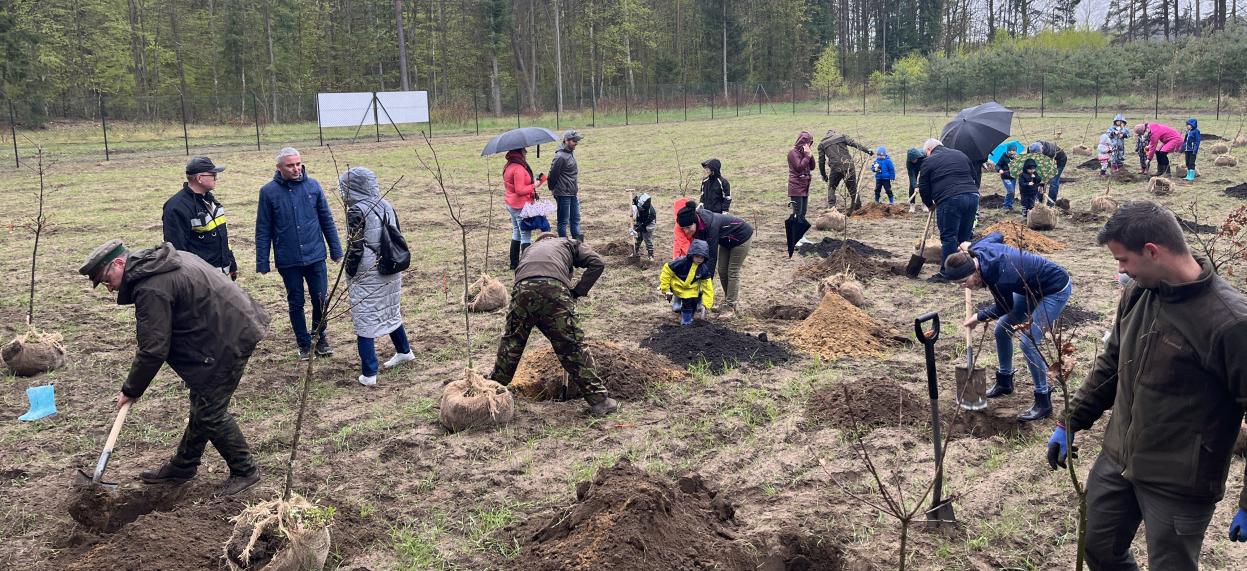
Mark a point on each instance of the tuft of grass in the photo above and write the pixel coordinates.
(416, 548)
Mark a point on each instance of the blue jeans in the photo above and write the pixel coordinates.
(368, 349)
(1055, 186)
(955, 217)
(524, 236)
(1042, 318)
(569, 215)
(317, 280)
(1010, 186)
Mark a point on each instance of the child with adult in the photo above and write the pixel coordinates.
(1117, 135)
(728, 238)
(688, 282)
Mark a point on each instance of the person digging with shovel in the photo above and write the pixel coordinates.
(1029, 292)
(188, 315)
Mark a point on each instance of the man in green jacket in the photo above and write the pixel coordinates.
(1173, 375)
(189, 315)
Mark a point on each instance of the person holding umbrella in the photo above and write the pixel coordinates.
(946, 184)
(800, 165)
(517, 179)
(977, 131)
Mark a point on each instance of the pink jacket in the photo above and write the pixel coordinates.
(1165, 139)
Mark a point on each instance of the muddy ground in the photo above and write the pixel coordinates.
(746, 461)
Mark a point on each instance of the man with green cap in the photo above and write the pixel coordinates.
(187, 314)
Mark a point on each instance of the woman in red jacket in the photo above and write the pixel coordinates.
(521, 190)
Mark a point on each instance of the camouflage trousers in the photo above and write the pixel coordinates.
(547, 304)
(210, 421)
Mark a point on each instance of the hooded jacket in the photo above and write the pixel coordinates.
(517, 181)
(376, 307)
(884, 170)
(945, 173)
(833, 153)
(687, 279)
(1009, 272)
(644, 215)
(1191, 143)
(716, 193)
(189, 315)
(1173, 374)
(721, 231)
(800, 165)
(1002, 167)
(195, 223)
(294, 219)
(564, 172)
(1165, 139)
(1029, 182)
(913, 163)
(1053, 150)
(553, 257)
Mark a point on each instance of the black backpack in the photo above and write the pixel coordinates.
(393, 256)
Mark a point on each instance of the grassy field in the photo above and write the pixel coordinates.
(409, 496)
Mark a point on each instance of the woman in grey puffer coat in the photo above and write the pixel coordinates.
(375, 298)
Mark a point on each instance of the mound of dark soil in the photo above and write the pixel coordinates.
(1206, 137)
(627, 373)
(1087, 217)
(829, 246)
(782, 311)
(1197, 227)
(187, 538)
(1089, 164)
(1075, 315)
(626, 518)
(867, 403)
(991, 201)
(720, 347)
(1239, 191)
(103, 510)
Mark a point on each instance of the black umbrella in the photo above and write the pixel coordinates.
(518, 139)
(977, 130)
(794, 229)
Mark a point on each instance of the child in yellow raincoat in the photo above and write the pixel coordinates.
(688, 282)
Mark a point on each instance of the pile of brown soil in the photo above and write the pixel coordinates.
(627, 373)
(102, 510)
(1018, 236)
(1239, 191)
(1089, 164)
(782, 311)
(870, 404)
(718, 346)
(849, 257)
(187, 538)
(619, 247)
(838, 329)
(626, 518)
(829, 246)
(876, 211)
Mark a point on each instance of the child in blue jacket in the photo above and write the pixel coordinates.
(885, 173)
(1191, 147)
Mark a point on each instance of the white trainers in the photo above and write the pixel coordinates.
(400, 358)
(368, 381)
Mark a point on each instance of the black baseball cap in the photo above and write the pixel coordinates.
(198, 165)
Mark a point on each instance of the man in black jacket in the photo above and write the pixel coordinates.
(564, 171)
(946, 183)
(187, 314)
(194, 221)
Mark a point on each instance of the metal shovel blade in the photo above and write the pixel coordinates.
(85, 480)
(941, 514)
(915, 265)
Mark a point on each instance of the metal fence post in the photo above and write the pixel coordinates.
(517, 105)
(904, 94)
(593, 110)
(558, 116)
(829, 97)
(654, 96)
(1097, 97)
(864, 82)
(320, 128)
(1218, 93)
(1043, 87)
(476, 113)
(13, 131)
(945, 94)
(792, 87)
(376, 119)
(185, 137)
(740, 94)
(627, 104)
(1156, 101)
(763, 90)
(684, 93)
(104, 124)
(712, 94)
(255, 115)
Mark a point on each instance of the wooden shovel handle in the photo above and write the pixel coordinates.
(112, 435)
(969, 309)
(926, 232)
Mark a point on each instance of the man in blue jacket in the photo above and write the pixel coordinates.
(1029, 292)
(946, 183)
(293, 218)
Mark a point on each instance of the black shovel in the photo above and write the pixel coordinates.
(941, 511)
(917, 259)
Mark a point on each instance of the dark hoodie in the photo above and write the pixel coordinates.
(716, 193)
(1008, 272)
(1028, 181)
(189, 315)
(913, 162)
(682, 264)
(800, 165)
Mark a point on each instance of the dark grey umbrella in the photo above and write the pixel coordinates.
(518, 139)
(977, 130)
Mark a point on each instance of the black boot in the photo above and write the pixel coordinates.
(601, 405)
(1003, 386)
(1040, 410)
(515, 254)
(579, 238)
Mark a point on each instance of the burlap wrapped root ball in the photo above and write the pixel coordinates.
(1240, 141)
(32, 353)
(932, 250)
(1083, 150)
(279, 535)
(1041, 218)
(1160, 186)
(487, 294)
(845, 285)
(1103, 205)
(830, 220)
(1179, 171)
(1220, 149)
(1226, 161)
(474, 402)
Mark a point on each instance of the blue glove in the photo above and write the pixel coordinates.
(1238, 527)
(1057, 452)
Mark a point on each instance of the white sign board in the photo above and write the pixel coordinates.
(403, 107)
(344, 109)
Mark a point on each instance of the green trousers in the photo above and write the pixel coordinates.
(210, 421)
(730, 261)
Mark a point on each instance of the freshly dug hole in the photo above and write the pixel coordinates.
(473, 402)
(627, 373)
(104, 510)
(487, 294)
(781, 311)
(720, 347)
(32, 353)
(278, 535)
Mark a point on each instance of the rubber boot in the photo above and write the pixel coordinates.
(1040, 410)
(1190, 175)
(1003, 386)
(515, 254)
(601, 405)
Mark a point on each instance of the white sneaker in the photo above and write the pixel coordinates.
(368, 381)
(400, 358)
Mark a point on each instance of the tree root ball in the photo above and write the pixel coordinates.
(1083, 150)
(1041, 218)
(1226, 161)
(830, 220)
(1220, 149)
(279, 535)
(1240, 141)
(487, 294)
(473, 402)
(1103, 204)
(1160, 186)
(32, 353)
